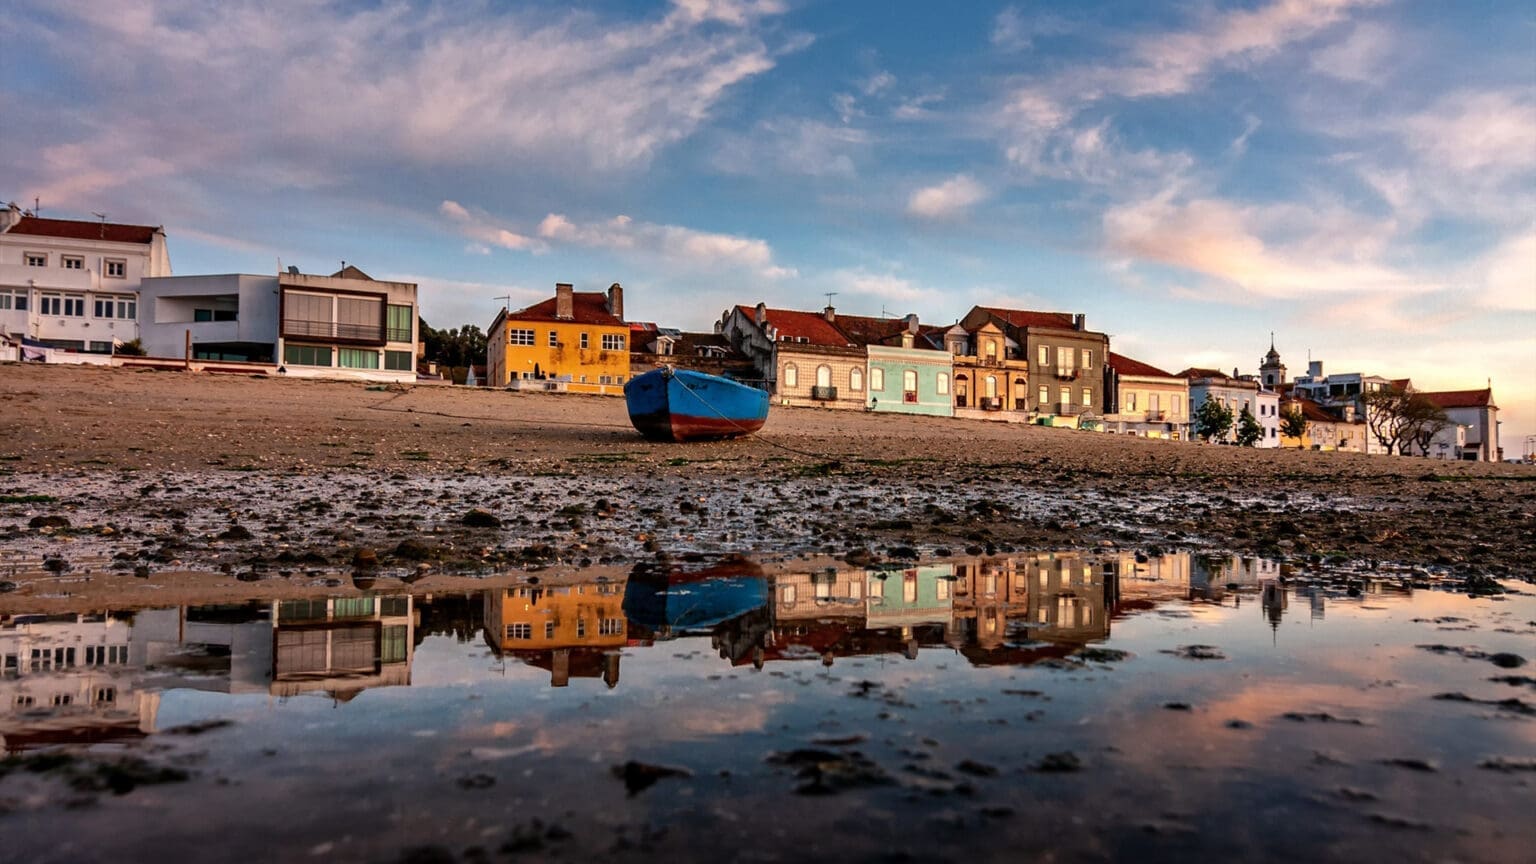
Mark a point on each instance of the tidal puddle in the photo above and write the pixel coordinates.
(1067, 705)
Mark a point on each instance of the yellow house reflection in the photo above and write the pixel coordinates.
(572, 630)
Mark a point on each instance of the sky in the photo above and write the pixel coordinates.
(1357, 177)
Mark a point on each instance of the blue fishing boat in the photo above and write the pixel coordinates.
(673, 600)
(670, 404)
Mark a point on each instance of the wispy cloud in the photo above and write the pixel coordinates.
(400, 83)
(1360, 56)
(790, 147)
(947, 200)
(697, 250)
(480, 227)
(1015, 29)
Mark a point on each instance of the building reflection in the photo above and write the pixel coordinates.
(92, 677)
(570, 630)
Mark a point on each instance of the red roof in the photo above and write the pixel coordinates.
(587, 307)
(1313, 412)
(1126, 366)
(797, 326)
(77, 229)
(1024, 318)
(1462, 398)
(862, 330)
(1194, 372)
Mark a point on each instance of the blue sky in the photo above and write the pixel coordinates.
(1358, 176)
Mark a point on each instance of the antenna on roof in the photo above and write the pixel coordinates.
(103, 218)
(830, 295)
(506, 300)
(37, 206)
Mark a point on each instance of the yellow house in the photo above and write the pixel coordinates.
(574, 631)
(576, 340)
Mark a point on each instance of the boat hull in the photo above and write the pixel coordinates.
(683, 405)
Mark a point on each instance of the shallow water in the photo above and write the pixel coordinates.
(979, 710)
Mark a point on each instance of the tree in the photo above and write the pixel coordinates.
(131, 348)
(1212, 419)
(1293, 424)
(1387, 416)
(454, 348)
(1424, 421)
(1248, 429)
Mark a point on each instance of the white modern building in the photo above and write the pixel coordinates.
(73, 284)
(346, 325)
(1236, 393)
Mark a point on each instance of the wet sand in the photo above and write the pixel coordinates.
(154, 469)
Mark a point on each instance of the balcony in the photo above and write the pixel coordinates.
(1068, 409)
(824, 394)
(310, 329)
(991, 403)
(1155, 416)
(1066, 373)
(909, 397)
(1020, 404)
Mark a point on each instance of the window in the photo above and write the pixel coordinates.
(214, 315)
(1153, 401)
(991, 387)
(519, 337)
(554, 339)
(991, 349)
(16, 301)
(610, 627)
(1087, 358)
(613, 342)
(549, 629)
(398, 361)
(116, 268)
(581, 628)
(909, 381)
(586, 341)
(306, 355)
(72, 262)
(1045, 396)
(1064, 358)
(1087, 398)
(116, 307)
(791, 375)
(36, 259)
(1045, 355)
(1066, 396)
(519, 631)
(398, 327)
(942, 384)
(357, 358)
(1130, 402)
(856, 379)
(877, 379)
(823, 376)
(392, 644)
(63, 305)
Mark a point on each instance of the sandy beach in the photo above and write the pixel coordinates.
(142, 477)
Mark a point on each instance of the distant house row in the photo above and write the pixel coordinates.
(87, 288)
(1006, 365)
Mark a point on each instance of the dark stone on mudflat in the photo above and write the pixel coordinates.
(1197, 652)
(639, 776)
(1420, 765)
(1059, 763)
(412, 549)
(48, 522)
(976, 769)
(1237, 723)
(476, 781)
(478, 518)
(235, 532)
(1178, 706)
(1506, 660)
(1507, 764)
(1321, 717)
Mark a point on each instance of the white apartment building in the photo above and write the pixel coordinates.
(1236, 393)
(73, 284)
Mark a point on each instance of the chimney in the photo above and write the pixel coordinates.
(616, 301)
(762, 314)
(829, 313)
(911, 322)
(565, 303)
(1079, 321)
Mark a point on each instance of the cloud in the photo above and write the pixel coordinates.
(1358, 57)
(1257, 249)
(697, 250)
(885, 286)
(1508, 275)
(479, 226)
(320, 95)
(789, 146)
(947, 200)
(1014, 30)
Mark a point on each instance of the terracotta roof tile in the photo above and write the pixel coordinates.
(1126, 366)
(795, 326)
(1462, 398)
(79, 229)
(1026, 318)
(587, 307)
(862, 330)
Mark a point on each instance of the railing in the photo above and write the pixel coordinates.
(991, 403)
(333, 330)
(909, 396)
(1066, 373)
(1020, 404)
(1067, 409)
(398, 334)
(824, 394)
(1155, 415)
(960, 401)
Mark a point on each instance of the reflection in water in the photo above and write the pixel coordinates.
(905, 690)
(81, 678)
